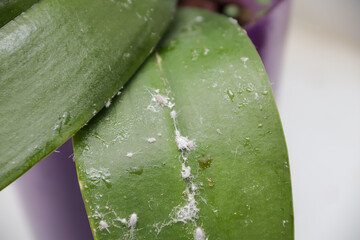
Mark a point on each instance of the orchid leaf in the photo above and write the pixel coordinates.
(193, 147)
(60, 62)
(9, 9)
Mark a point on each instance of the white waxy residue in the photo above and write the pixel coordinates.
(173, 114)
(151, 140)
(161, 100)
(188, 211)
(108, 103)
(133, 220)
(244, 59)
(199, 19)
(233, 20)
(185, 171)
(130, 154)
(199, 234)
(122, 220)
(103, 225)
(183, 143)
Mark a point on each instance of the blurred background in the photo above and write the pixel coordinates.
(318, 97)
(319, 103)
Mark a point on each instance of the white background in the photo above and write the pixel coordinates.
(319, 102)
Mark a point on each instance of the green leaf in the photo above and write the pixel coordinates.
(60, 63)
(9, 9)
(134, 157)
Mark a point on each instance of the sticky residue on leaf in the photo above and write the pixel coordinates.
(97, 176)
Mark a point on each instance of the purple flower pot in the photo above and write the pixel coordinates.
(50, 191)
(268, 35)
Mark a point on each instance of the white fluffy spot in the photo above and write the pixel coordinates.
(206, 51)
(108, 103)
(103, 225)
(284, 222)
(170, 105)
(133, 220)
(187, 212)
(183, 143)
(159, 61)
(161, 100)
(151, 140)
(185, 171)
(173, 114)
(244, 59)
(130, 154)
(199, 234)
(218, 131)
(122, 220)
(199, 19)
(233, 20)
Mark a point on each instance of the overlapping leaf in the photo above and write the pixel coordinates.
(193, 147)
(60, 63)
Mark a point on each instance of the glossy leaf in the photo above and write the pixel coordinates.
(60, 63)
(214, 165)
(9, 9)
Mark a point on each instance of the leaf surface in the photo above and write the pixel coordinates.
(9, 9)
(214, 165)
(60, 63)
